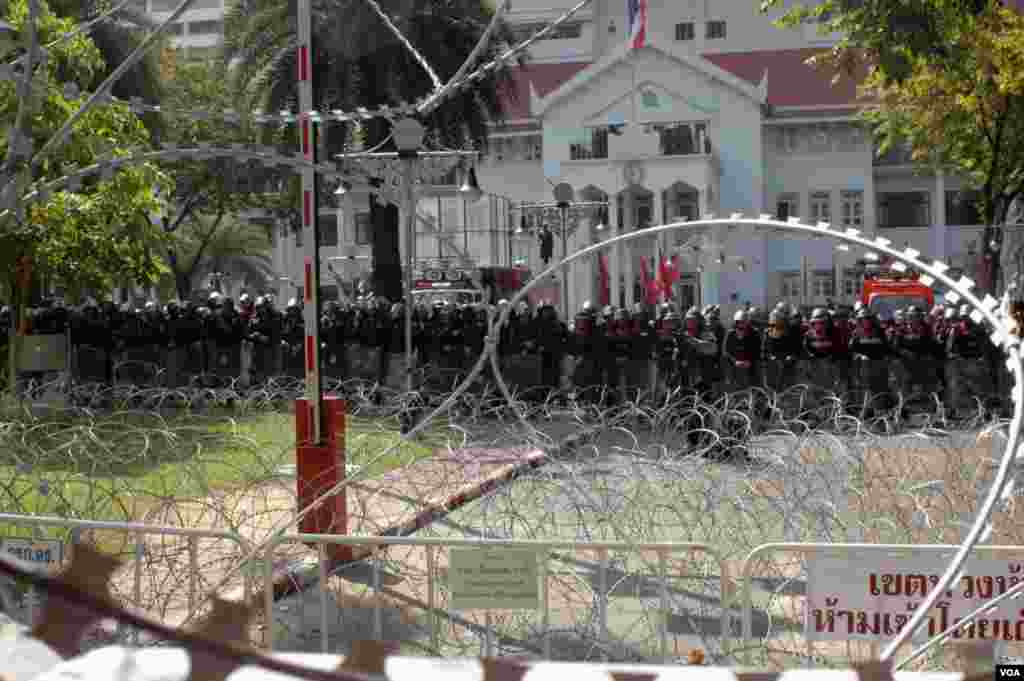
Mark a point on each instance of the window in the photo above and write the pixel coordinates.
(850, 137)
(684, 31)
(824, 285)
(364, 229)
(715, 30)
(327, 224)
(565, 31)
(611, 27)
(594, 146)
(852, 209)
(821, 209)
(298, 237)
(789, 139)
(787, 206)
(963, 208)
(853, 282)
(904, 209)
(819, 139)
(211, 27)
(791, 285)
(680, 139)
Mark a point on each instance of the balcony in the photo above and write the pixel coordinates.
(593, 146)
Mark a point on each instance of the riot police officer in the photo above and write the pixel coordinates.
(919, 352)
(968, 377)
(871, 352)
(741, 351)
(780, 348)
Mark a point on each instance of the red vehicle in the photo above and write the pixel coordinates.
(885, 292)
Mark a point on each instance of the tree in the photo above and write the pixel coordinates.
(203, 245)
(359, 62)
(945, 78)
(208, 197)
(86, 238)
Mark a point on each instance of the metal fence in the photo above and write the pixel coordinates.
(565, 597)
(161, 564)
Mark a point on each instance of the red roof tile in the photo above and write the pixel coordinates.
(791, 82)
(545, 78)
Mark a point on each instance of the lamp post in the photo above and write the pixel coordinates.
(407, 134)
(564, 203)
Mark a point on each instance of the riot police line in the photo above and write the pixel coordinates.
(602, 355)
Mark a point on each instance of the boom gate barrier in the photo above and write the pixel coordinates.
(140, 531)
(746, 586)
(371, 544)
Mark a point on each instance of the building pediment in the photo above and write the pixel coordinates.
(655, 103)
(714, 74)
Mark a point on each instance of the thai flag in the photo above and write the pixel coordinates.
(636, 11)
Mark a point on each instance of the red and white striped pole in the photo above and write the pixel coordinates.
(311, 235)
(319, 422)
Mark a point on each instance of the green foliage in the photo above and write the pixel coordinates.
(946, 79)
(87, 238)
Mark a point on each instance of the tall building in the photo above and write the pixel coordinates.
(716, 113)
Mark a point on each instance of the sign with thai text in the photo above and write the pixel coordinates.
(493, 579)
(870, 594)
(45, 554)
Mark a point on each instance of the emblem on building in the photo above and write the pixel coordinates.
(633, 172)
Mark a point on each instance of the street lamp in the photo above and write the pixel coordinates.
(407, 134)
(563, 193)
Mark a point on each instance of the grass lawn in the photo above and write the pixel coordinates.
(114, 467)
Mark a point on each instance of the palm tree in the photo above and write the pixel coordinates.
(359, 62)
(206, 244)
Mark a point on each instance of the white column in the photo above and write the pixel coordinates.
(629, 225)
(615, 256)
(939, 229)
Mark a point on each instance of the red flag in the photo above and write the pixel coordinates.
(665, 278)
(605, 292)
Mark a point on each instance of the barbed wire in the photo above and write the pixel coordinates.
(678, 469)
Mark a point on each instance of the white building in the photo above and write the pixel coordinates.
(200, 30)
(721, 115)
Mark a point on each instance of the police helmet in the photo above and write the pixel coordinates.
(950, 314)
(965, 311)
(914, 312)
(741, 316)
(819, 314)
(864, 313)
(777, 316)
(587, 307)
(693, 313)
(293, 303)
(215, 298)
(607, 311)
(244, 299)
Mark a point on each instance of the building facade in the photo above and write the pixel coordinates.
(719, 113)
(199, 32)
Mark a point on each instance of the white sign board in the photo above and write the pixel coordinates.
(45, 554)
(870, 594)
(493, 579)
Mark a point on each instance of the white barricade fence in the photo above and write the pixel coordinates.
(520, 590)
(153, 559)
(867, 592)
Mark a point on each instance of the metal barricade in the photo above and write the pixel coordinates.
(140, 532)
(433, 603)
(746, 578)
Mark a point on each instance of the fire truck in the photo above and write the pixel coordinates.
(886, 291)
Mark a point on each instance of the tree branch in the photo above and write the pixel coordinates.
(204, 243)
